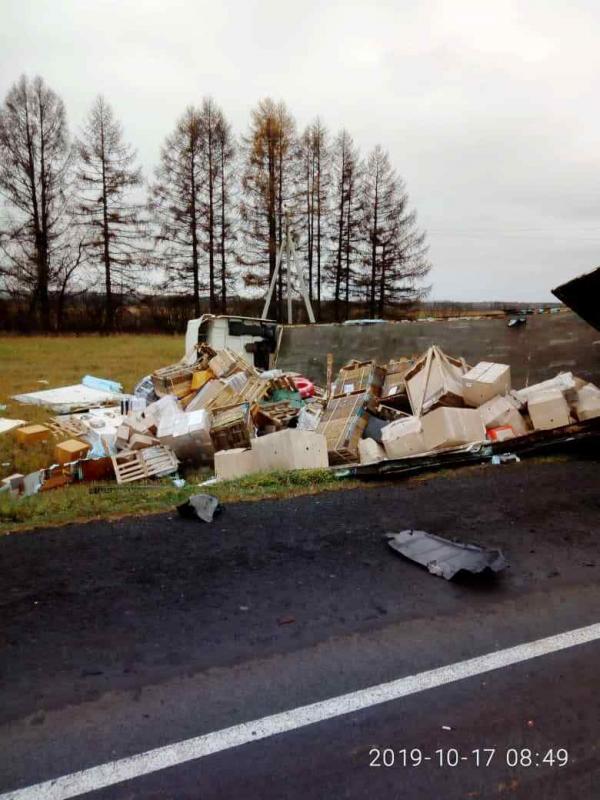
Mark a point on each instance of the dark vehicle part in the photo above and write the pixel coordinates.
(444, 557)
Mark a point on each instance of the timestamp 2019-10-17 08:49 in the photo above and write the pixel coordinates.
(479, 757)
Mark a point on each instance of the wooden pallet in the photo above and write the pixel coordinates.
(135, 465)
(277, 415)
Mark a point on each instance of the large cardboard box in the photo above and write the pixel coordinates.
(370, 451)
(235, 463)
(484, 381)
(29, 434)
(403, 437)
(451, 427)
(71, 450)
(549, 409)
(290, 449)
(564, 382)
(435, 379)
(587, 405)
(501, 411)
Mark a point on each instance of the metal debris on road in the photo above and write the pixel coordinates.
(444, 557)
(200, 506)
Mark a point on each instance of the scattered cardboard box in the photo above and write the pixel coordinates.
(235, 463)
(137, 441)
(403, 437)
(29, 434)
(369, 451)
(564, 382)
(71, 450)
(484, 381)
(435, 379)
(587, 404)
(291, 449)
(501, 411)
(452, 427)
(548, 409)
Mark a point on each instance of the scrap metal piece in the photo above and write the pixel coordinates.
(200, 506)
(444, 557)
(581, 295)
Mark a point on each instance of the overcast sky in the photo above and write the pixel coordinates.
(489, 108)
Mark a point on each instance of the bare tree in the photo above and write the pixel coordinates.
(316, 180)
(106, 177)
(225, 151)
(175, 200)
(346, 225)
(395, 257)
(269, 191)
(34, 164)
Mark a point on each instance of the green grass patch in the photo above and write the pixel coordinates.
(83, 502)
(62, 361)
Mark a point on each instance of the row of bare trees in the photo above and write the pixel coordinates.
(77, 215)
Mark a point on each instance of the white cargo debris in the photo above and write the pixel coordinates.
(10, 424)
(484, 381)
(370, 451)
(235, 463)
(451, 427)
(403, 437)
(66, 399)
(587, 404)
(435, 379)
(548, 410)
(501, 411)
(291, 449)
(564, 382)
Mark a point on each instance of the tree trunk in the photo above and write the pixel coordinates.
(194, 232)
(109, 321)
(223, 237)
(211, 222)
(374, 246)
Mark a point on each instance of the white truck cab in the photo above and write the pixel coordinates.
(256, 340)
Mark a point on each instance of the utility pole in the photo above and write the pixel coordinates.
(293, 271)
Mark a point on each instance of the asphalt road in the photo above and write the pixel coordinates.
(121, 637)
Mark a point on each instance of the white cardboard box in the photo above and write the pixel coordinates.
(587, 405)
(235, 463)
(403, 437)
(370, 451)
(451, 427)
(291, 449)
(549, 409)
(484, 381)
(501, 411)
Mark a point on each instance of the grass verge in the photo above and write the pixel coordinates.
(84, 502)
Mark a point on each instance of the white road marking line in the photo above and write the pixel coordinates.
(171, 755)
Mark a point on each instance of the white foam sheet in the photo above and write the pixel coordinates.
(10, 424)
(65, 399)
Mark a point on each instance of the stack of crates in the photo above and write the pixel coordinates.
(356, 389)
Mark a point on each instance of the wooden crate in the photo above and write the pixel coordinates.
(343, 423)
(175, 379)
(231, 427)
(135, 465)
(277, 415)
(359, 376)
